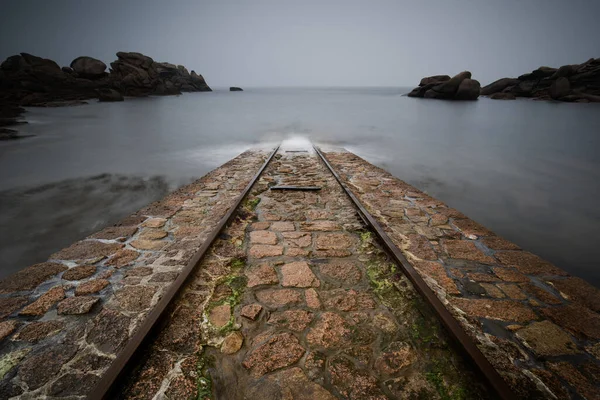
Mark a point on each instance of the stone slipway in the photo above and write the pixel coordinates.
(536, 324)
(63, 321)
(296, 300)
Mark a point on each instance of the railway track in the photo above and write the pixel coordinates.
(304, 182)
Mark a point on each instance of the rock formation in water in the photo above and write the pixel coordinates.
(459, 87)
(235, 89)
(27, 80)
(135, 74)
(578, 83)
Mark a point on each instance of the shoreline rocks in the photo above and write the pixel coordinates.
(31, 81)
(9, 116)
(459, 87)
(28, 80)
(109, 95)
(578, 83)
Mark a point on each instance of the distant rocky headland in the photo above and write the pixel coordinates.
(28, 80)
(579, 83)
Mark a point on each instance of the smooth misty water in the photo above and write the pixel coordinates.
(528, 170)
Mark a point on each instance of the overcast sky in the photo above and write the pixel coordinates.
(312, 43)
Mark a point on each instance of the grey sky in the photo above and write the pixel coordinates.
(312, 43)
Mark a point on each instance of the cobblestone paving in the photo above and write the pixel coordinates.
(62, 322)
(537, 325)
(297, 301)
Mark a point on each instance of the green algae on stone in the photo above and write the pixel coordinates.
(457, 390)
(454, 393)
(204, 381)
(237, 264)
(382, 286)
(366, 238)
(8, 361)
(251, 204)
(419, 332)
(237, 284)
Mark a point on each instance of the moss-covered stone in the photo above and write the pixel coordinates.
(8, 361)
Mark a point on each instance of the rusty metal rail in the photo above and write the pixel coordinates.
(105, 387)
(449, 322)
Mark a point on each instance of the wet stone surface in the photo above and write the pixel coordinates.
(39, 330)
(296, 300)
(521, 309)
(305, 309)
(62, 322)
(77, 305)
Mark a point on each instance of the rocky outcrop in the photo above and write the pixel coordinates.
(434, 79)
(459, 87)
(88, 67)
(498, 86)
(132, 74)
(560, 88)
(235, 89)
(468, 90)
(135, 74)
(573, 83)
(27, 80)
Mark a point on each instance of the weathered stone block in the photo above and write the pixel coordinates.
(505, 310)
(44, 302)
(298, 274)
(30, 277)
(547, 339)
(263, 250)
(263, 237)
(87, 249)
(109, 331)
(77, 305)
(279, 297)
(263, 274)
(279, 351)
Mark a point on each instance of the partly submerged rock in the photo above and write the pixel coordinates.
(468, 90)
(448, 89)
(235, 89)
(444, 87)
(109, 95)
(503, 96)
(560, 88)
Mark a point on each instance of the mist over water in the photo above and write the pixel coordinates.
(530, 171)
